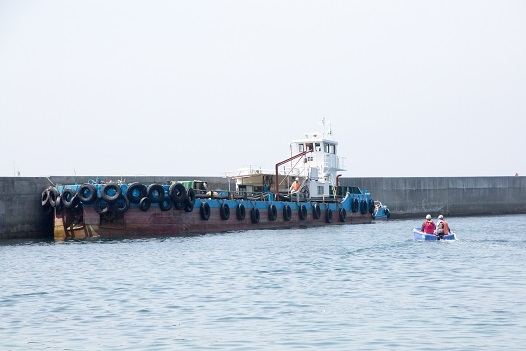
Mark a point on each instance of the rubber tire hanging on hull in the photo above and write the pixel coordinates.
(224, 211)
(240, 212)
(302, 211)
(363, 207)
(177, 192)
(49, 196)
(272, 212)
(68, 197)
(53, 196)
(166, 203)
(287, 213)
(354, 205)
(122, 204)
(135, 192)
(371, 206)
(342, 214)
(111, 192)
(145, 204)
(58, 206)
(155, 192)
(189, 202)
(101, 206)
(204, 211)
(328, 215)
(188, 207)
(316, 211)
(44, 198)
(87, 193)
(254, 215)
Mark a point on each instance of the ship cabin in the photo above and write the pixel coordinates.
(314, 161)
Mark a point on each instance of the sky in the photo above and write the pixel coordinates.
(201, 88)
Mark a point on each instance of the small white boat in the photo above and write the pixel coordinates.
(421, 236)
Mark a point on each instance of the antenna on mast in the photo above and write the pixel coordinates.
(329, 131)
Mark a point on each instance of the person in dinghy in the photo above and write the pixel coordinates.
(428, 226)
(442, 227)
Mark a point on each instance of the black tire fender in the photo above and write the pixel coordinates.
(287, 213)
(224, 211)
(190, 198)
(328, 215)
(155, 192)
(111, 192)
(166, 203)
(58, 206)
(254, 215)
(342, 214)
(316, 211)
(204, 211)
(68, 195)
(53, 196)
(177, 192)
(87, 193)
(302, 211)
(145, 204)
(354, 205)
(101, 206)
(240, 212)
(44, 197)
(272, 212)
(122, 204)
(363, 207)
(188, 207)
(135, 192)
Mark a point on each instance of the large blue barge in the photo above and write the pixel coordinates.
(301, 191)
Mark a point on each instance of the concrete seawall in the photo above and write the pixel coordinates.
(22, 216)
(455, 196)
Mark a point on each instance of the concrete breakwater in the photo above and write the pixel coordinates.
(22, 216)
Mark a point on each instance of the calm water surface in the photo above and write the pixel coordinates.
(361, 287)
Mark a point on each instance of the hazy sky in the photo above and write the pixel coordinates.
(411, 88)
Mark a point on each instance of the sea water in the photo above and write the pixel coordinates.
(359, 287)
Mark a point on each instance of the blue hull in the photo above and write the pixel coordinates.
(381, 213)
(420, 236)
(112, 210)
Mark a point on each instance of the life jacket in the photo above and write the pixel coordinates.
(429, 227)
(296, 186)
(440, 227)
(446, 227)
